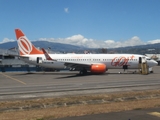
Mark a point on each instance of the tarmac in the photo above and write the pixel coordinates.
(145, 114)
(23, 85)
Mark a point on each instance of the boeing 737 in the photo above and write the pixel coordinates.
(95, 63)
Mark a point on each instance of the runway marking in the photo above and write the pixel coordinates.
(157, 114)
(13, 79)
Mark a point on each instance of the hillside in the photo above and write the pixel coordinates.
(59, 47)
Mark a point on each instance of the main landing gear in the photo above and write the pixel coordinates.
(83, 71)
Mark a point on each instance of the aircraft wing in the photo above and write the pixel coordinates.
(73, 64)
(76, 65)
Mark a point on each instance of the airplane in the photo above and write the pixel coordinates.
(95, 63)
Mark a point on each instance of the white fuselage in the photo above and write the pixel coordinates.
(112, 61)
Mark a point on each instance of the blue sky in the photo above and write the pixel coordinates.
(92, 23)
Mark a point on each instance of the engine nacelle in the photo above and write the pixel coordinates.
(98, 68)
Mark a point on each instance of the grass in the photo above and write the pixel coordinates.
(73, 109)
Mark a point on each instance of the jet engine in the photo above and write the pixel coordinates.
(98, 68)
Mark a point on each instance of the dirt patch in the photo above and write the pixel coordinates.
(48, 108)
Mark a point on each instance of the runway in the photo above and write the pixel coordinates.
(34, 85)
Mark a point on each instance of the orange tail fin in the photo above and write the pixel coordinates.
(24, 45)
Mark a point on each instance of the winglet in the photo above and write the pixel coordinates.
(24, 45)
(46, 55)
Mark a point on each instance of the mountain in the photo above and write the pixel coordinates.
(8, 45)
(140, 49)
(45, 44)
(59, 47)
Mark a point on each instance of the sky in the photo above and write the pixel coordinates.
(88, 23)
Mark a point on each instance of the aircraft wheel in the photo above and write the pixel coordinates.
(83, 72)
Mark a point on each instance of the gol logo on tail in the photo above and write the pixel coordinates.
(25, 46)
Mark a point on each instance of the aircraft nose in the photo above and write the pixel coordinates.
(155, 63)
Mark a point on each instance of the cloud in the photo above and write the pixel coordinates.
(66, 10)
(130, 42)
(133, 42)
(154, 41)
(5, 40)
(73, 40)
(80, 40)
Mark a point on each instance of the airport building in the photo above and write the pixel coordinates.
(9, 61)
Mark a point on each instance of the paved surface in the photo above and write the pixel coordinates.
(148, 114)
(30, 85)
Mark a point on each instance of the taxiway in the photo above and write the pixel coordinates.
(39, 84)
